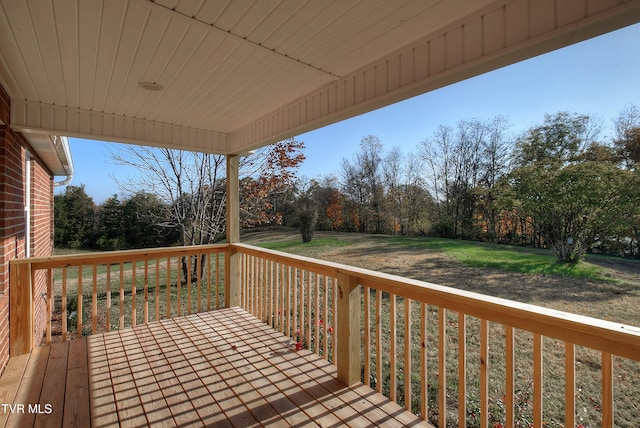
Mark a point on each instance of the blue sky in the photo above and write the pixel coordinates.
(598, 77)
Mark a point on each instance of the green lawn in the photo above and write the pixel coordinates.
(514, 259)
(470, 253)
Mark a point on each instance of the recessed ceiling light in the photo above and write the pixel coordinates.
(150, 86)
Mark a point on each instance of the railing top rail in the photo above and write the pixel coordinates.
(616, 338)
(110, 257)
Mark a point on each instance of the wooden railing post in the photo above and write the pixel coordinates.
(348, 360)
(231, 259)
(20, 309)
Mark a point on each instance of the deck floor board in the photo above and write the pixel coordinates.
(221, 368)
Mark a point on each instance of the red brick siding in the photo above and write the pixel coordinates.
(11, 202)
(13, 152)
(41, 210)
(11, 223)
(41, 235)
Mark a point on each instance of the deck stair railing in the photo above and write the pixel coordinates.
(454, 357)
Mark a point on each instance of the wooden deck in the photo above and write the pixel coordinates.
(219, 368)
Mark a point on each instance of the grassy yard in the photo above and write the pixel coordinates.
(509, 258)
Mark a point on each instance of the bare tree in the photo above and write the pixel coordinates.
(192, 185)
(461, 163)
(627, 138)
(362, 182)
(394, 195)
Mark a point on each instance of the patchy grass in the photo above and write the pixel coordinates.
(310, 249)
(514, 259)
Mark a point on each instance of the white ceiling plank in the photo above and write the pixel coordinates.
(189, 7)
(329, 20)
(542, 16)
(89, 22)
(233, 13)
(66, 21)
(188, 54)
(201, 83)
(170, 4)
(168, 44)
(43, 19)
(367, 31)
(283, 15)
(114, 13)
(128, 54)
(472, 42)
(517, 22)
(266, 94)
(214, 85)
(28, 51)
(596, 6)
(493, 36)
(244, 77)
(188, 79)
(211, 11)
(253, 17)
(153, 29)
(14, 77)
(570, 11)
(213, 27)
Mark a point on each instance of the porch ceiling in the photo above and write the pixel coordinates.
(235, 75)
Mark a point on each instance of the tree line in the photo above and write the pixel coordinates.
(178, 198)
(560, 185)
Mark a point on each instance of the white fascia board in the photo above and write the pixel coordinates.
(34, 117)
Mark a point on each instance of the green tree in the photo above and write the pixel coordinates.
(306, 213)
(111, 234)
(74, 218)
(142, 222)
(567, 187)
(627, 139)
(562, 138)
(570, 206)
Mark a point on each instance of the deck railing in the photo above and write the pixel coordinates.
(454, 357)
(95, 292)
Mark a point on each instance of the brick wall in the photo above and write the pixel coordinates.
(13, 153)
(12, 226)
(41, 236)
